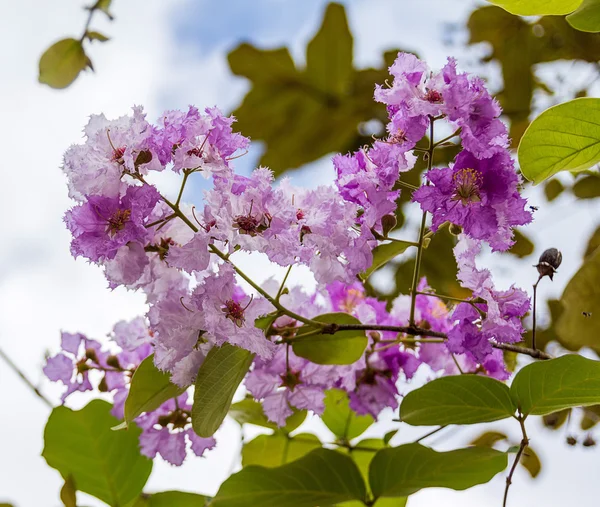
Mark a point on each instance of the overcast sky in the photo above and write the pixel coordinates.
(167, 55)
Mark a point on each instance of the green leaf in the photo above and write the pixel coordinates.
(587, 17)
(382, 254)
(488, 439)
(458, 399)
(580, 298)
(553, 189)
(323, 477)
(91, 35)
(150, 388)
(343, 347)
(104, 6)
(538, 7)
(329, 53)
(171, 499)
(342, 421)
(218, 378)
(548, 386)
(565, 137)
(62, 62)
(591, 417)
(278, 449)
(531, 462)
(249, 411)
(523, 245)
(406, 469)
(587, 187)
(555, 420)
(103, 463)
(68, 493)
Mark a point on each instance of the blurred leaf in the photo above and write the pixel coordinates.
(363, 453)
(249, 411)
(384, 253)
(538, 7)
(557, 140)
(103, 463)
(104, 6)
(278, 449)
(218, 378)
(581, 297)
(591, 417)
(587, 17)
(329, 53)
(171, 499)
(593, 243)
(68, 493)
(393, 471)
(389, 435)
(531, 462)
(323, 477)
(488, 439)
(304, 114)
(555, 420)
(457, 399)
(553, 189)
(343, 347)
(150, 388)
(340, 420)
(587, 187)
(548, 386)
(92, 36)
(523, 245)
(62, 62)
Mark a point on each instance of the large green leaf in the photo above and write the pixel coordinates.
(458, 399)
(403, 470)
(218, 378)
(538, 7)
(150, 388)
(587, 17)
(548, 386)
(565, 137)
(171, 499)
(103, 463)
(384, 253)
(278, 449)
(343, 347)
(343, 422)
(329, 53)
(62, 62)
(249, 411)
(321, 478)
(578, 325)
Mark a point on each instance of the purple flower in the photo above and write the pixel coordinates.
(104, 224)
(372, 397)
(479, 195)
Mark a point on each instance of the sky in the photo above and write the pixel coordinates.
(168, 55)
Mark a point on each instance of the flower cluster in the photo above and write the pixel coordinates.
(182, 257)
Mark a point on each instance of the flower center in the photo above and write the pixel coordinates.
(398, 137)
(353, 298)
(467, 182)
(234, 312)
(433, 96)
(118, 155)
(117, 221)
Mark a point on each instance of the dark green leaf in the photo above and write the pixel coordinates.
(523, 245)
(62, 62)
(593, 244)
(278, 449)
(565, 137)
(92, 36)
(343, 347)
(531, 462)
(553, 189)
(171, 499)
(406, 469)
(329, 53)
(103, 463)
(150, 388)
(68, 493)
(342, 421)
(591, 417)
(548, 386)
(587, 187)
(218, 378)
(587, 17)
(458, 399)
(555, 420)
(382, 254)
(538, 7)
(389, 435)
(488, 439)
(579, 323)
(249, 411)
(321, 478)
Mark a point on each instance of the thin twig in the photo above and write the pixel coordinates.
(431, 433)
(534, 310)
(24, 378)
(522, 447)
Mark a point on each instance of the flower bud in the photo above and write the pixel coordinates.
(589, 441)
(388, 223)
(549, 262)
(91, 354)
(571, 440)
(113, 361)
(103, 386)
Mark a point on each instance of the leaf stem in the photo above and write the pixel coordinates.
(24, 378)
(522, 447)
(534, 312)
